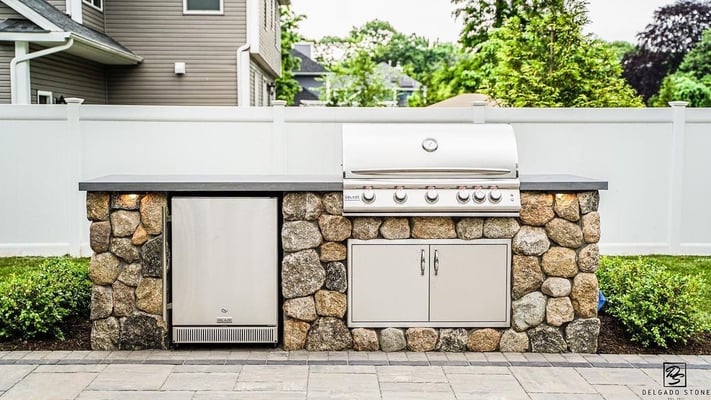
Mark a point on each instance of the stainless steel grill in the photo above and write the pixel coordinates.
(430, 170)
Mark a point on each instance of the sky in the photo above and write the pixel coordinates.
(610, 19)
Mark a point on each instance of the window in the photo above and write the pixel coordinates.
(98, 4)
(203, 6)
(44, 97)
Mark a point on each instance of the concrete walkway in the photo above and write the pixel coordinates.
(275, 374)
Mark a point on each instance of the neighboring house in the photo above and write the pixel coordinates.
(311, 76)
(401, 84)
(158, 52)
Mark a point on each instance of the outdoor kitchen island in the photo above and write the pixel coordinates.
(551, 293)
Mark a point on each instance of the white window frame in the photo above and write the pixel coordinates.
(91, 4)
(221, 11)
(44, 93)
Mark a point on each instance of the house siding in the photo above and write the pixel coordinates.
(159, 32)
(60, 5)
(269, 37)
(7, 12)
(68, 76)
(7, 52)
(92, 17)
(258, 80)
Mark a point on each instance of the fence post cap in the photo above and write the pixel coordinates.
(678, 103)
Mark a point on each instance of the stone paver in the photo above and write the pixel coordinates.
(551, 380)
(11, 374)
(131, 377)
(616, 392)
(136, 395)
(200, 381)
(50, 386)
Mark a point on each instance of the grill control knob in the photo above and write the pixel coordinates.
(400, 195)
(495, 195)
(431, 196)
(368, 195)
(463, 195)
(479, 195)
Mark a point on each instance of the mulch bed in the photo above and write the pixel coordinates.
(77, 333)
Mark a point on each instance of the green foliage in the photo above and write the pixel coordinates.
(656, 306)
(287, 87)
(356, 83)
(36, 302)
(621, 48)
(697, 62)
(684, 87)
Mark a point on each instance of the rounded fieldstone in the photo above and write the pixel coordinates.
(565, 233)
(559, 310)
(588, 201)
(330, 304)
(141, 332)
(152, 256)
(124, 223)
(295, 333)
(97, 206)
(140, 236)
(333, 203)
(560, 261)
(395, 228)
(102, 302)
(99, 234)
(483, 340)
(366, 228)
(566, 206)
(300, 235)
(582, 335)
(452, 340)
(584, 295)
(500, 228)
(125, 201)
(365, 339)
(104, 268)
(124, 299)
(332, 251)
(527, 275)
(301, 274)
(513, 342)
(556, 287)
(547, 339)
(149, 295)
(329, 334)
(392, 339)
(152, 206)
(470, 228)
(336, 277)
(536, 208)
(528, 311)
(433, 228)
(589, 258)
(302, 308)
(421, 339)
(530, 241)
(301, 206)
(123, 249)
(105, 334)
(130, 275)
(335, 228)
(591, 227)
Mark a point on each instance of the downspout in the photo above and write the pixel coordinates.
(243, 92)
(25, 99)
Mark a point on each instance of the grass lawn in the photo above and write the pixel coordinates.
(17, 265)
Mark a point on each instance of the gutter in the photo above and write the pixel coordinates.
(30, 56)
(243, 92)
(135, 59)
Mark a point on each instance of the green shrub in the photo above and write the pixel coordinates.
(654, 305)
(37, 302)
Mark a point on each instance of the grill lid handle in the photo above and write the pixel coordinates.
(433, 171)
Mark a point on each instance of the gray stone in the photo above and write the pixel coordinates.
(141, 332)
(102, 302)
(565, 233)
(365, 339)
(97, 206)
(591, 227)
(302, 308)
(500, 228)
(336, 277)
(333, 203)
(99, 234)
(588, 201)
(560, 261)
(589, 258)
(301, 206)
(484, 340)
(470, 228)
(392, 339)
(547, 339)
(584, 295)
(536, 208)
(530, 241)
(301, 274)
(125, 201)
(582, 335)
(330, 303)
(452, 340)
(152, 206)
(104, 268)
(124, 223)
(527, 275)
(433, 228)
(528, 311)
(366, 228)
(300, 235)
(395, 228)
(332, 251)
(513, 342)
(131, 275)
(151, 254)
(105, 334)
(566, 206)
(559, 310)
(124, 299)
(295, 333)
(140, 236)
(421, 339)
(123, 249)
(149, 295)
(335, 228)
(556, 287)
(329, 334)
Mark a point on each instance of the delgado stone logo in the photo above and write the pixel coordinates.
(674, 374)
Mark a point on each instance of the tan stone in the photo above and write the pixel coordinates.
(565, 233)
(560, 261)
(421, 339)
(124, 299)
(302, 308)
(124, 250)
(500, 228)
(556, 287)
(124, 223)
(365, 339)
(395, 228)
(483, 340)
(140, 236)
(334, 228)
(333, 251)
(527, 275)
(515, 342)
(584, 295)
(301, 206)
(295, 333)
(333, 203)
(433, 228)
(131, 275)
(559, 310)
(530, 241)
(300, 235)
(536, 208)
(104, 268)
(152, 206)
(589, 258)
(330, 303)
(589, 201)
(105, 334)
(97, 206)
(566, 206)
(102, 302)
(125, 201)
(470, 228)
(366, 228)
(99, 234)
(591, 227)
(150, 296)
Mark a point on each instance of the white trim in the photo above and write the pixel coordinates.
(34, 37)
(20, 70)
(221, 11)
(45, 93)
(243, 74)
(32, 15)
(253, 25)
(100, 46)
(75, 9)
(91, 4)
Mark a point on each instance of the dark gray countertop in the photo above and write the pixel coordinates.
(292, 183)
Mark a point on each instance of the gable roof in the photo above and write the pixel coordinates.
(308, 66)
(20, 25)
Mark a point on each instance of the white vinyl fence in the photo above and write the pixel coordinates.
(656, 160)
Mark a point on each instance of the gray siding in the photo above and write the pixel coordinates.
(159, 32)
(7, 52)
(68, 76)
(92, 17)
(269, 46)
(7, 12)
(258, 81)
(61, 5)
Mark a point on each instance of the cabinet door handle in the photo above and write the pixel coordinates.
(436, 262)
(423, 262)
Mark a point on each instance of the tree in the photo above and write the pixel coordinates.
(286, 85)
(356, 83)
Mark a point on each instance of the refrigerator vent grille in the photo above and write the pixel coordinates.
(227, 334)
